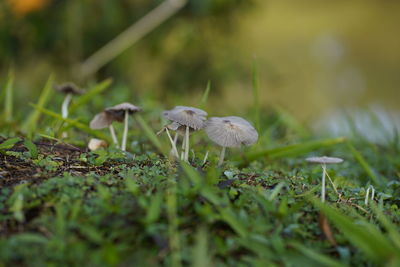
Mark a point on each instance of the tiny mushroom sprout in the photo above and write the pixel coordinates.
(323, 161)
(184, 119)
(118, 113)
(95, 144)
(69, 89)
(230, 132)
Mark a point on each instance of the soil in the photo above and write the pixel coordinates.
(15, 170)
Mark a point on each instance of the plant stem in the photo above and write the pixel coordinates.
(205, 158)
(323, 183)
(222, 156)
(187, 144)
(183, 148)
(65, 104)
(174, 149)
(125, 136)
(113, 135)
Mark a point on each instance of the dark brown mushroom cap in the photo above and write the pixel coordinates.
(118, 111)
(69, 88)
(231, 131)
(324, 160)
(101, 120)
(187, 116)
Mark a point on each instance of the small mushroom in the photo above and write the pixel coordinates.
(184, 120)
(69, 89)
(95, 144)
(104, 120)
(230, 132)
(118, 113)
(323, 161)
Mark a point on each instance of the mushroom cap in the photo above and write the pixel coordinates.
(69, 88)
(95, 144)
(231, 131)
(101, 120)
(118, 111)
(324, 160)
(187, 116)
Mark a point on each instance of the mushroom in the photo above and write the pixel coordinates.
(69, 89)
(323, 161)
(184, 120)
(95, 144)
(118, 113)
(230, 132)
(103, 120)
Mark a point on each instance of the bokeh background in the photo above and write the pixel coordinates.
(314, 58)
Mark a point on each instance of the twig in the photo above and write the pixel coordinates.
(130, 36)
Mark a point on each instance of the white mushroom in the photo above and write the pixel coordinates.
(230, 132)
(95, 144)
(118, 113)
(69, 89)
(184, 120)
(323, 161)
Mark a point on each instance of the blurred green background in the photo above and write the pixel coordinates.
(312, 56)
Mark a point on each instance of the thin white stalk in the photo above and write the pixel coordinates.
(187, 144)
(221, 156)
(176, 138)
(372, 189)
(323, 183)
(205, 158)
(183, 148)
(65, 104)
(174, 149)
(113, 135)
(125, 136)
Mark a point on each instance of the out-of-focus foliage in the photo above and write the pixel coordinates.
(311, 56)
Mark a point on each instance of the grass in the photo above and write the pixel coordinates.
(63, 205)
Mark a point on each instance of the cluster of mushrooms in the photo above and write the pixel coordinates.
(224, 131)
(229, 131)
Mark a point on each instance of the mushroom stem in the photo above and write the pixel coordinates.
(187, 144)
(65, 104)
(125, 136)
(222, 156)
(176, 138)
(323, 183)
(183, 148)
(205, 158)
(367, 194)
(174, 149)
(113, 135)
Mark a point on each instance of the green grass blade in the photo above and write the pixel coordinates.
(200, 251)
(150, 134)
(204, 98)
(316, 256)
(256, 96)
(363, 235)
(392, 229)
(83, 99)
(8, 144)
(31, 122)
(364, 164)
(173, 224)
(9, 99)
(32, 148)
(294, 150)
(73, 123)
